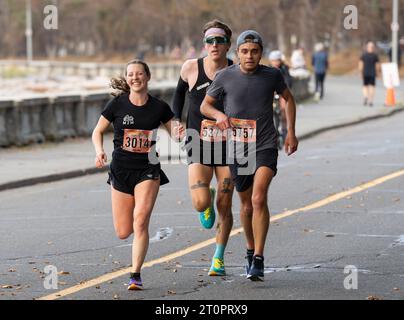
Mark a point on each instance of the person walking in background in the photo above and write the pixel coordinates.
(320, 64)
(369, 65)
(298, 60)
(276, 60)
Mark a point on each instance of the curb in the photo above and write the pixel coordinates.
(351, 123)
(90, 171)
(50, 178)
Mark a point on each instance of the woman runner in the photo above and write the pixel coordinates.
(135, 174)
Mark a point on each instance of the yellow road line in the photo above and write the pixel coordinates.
(201, 245)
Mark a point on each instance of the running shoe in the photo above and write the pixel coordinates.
(217, 268)
(135, 283)
(256, 272)
(207, 217)
(249, 258)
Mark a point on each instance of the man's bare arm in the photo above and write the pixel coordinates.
(291, 142)
(208, 110)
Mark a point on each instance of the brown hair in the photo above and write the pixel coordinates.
(120, 83)
(218, 24)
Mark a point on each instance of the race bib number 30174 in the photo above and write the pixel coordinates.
(244, 130)
(138, 141)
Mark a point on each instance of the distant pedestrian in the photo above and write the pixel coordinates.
(298, 60)
(320, 64)
(369, 65)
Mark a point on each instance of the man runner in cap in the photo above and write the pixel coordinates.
(206, 148)
(247, 91)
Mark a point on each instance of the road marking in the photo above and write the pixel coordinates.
(110, 276)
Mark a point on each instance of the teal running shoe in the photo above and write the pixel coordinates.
(217, 268)
(207, 217)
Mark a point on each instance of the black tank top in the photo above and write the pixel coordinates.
(196, 96)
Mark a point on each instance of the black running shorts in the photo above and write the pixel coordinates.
(125, 180)
(369, 81)
(265, 158)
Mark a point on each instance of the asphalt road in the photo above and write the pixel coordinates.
(68, 225)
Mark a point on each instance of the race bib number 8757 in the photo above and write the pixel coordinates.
(138, 141)
(244, 130)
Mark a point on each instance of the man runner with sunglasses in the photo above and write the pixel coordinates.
(247, 91)
(205, 146)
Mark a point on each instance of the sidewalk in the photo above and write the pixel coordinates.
(342, 106)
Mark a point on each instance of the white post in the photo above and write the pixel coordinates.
(395, 27)
(28, 31)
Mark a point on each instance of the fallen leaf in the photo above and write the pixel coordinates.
(7, 287)
(63, 273)
(374, 298)
(12, 270)
(171, 292)
(50, 243)
(396, 199)
(116, 262)
(111, 282)
(200, 280)
(308, 230)
(330, 236)
(116, 297)
(229, 252)
(33, 262)
(396, 289)
(175, 270)
(97, 287)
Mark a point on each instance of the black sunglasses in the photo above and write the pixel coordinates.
(216, 39)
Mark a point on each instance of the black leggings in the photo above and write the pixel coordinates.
(320, 77)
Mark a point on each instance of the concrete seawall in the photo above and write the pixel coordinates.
(53, 118)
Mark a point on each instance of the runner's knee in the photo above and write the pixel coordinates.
(223, 204)
(140, 226)
(123, 232)
(200, 203)
(246, 209)
(259, 201)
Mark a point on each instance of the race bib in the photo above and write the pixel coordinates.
(138, 141)
(244, 130)
(210, 132)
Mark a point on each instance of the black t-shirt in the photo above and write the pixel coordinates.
(135, 129)
(369, 64)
